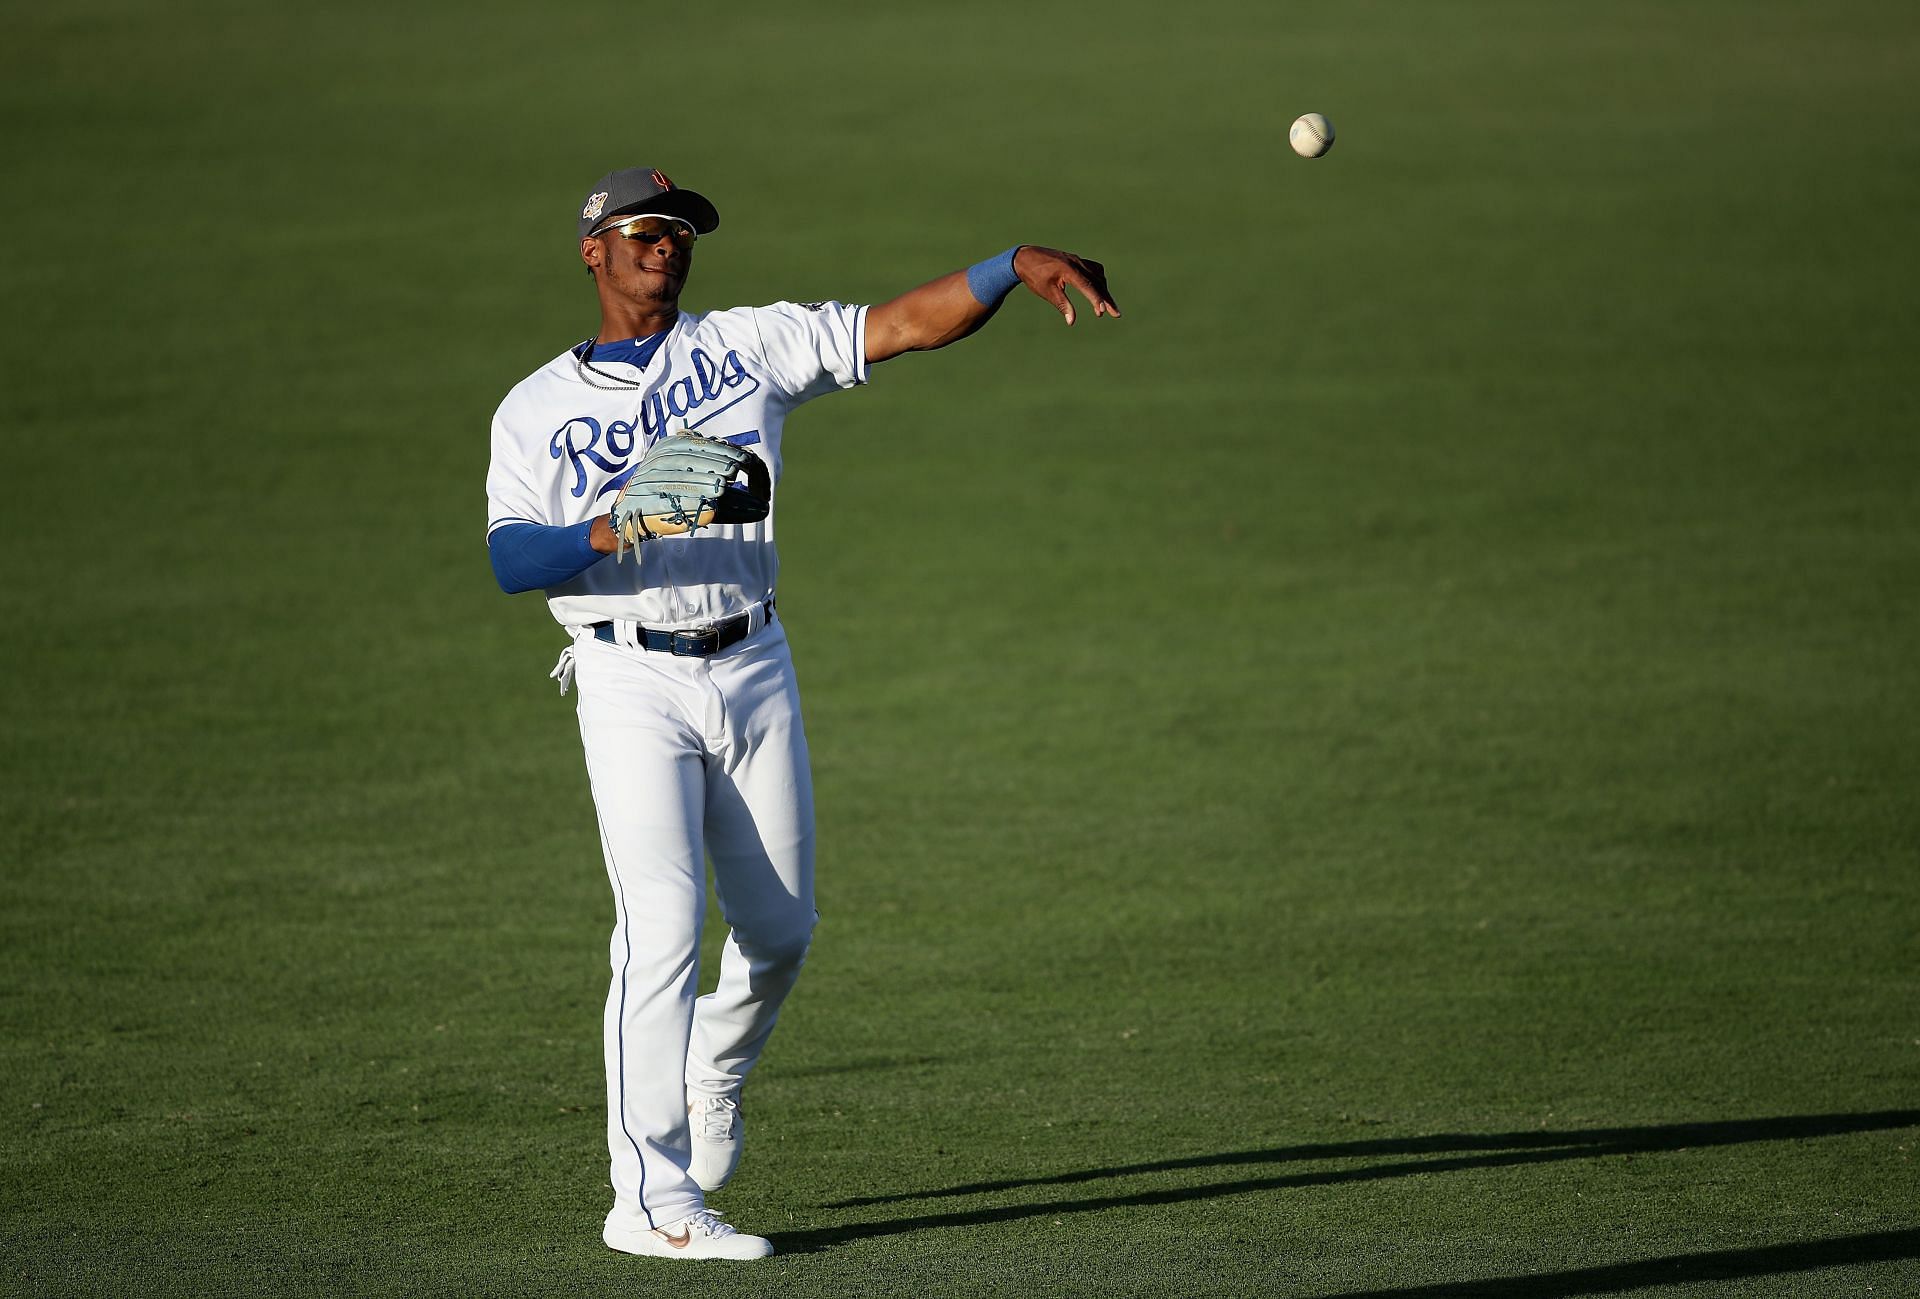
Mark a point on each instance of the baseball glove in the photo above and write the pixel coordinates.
(686, 482)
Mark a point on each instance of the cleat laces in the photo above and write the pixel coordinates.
(708, 1223)
(714, 1116)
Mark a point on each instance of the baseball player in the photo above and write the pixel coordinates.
(633, 481)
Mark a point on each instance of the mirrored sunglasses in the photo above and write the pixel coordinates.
(650, 230)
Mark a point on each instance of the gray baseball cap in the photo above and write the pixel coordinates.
(645, 189)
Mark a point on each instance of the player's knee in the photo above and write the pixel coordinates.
(783, 942)
(788, 949)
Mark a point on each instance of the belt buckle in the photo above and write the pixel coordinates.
(696, 642)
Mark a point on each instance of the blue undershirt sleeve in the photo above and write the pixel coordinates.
(532, 556)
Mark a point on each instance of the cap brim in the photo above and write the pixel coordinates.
(684, 203)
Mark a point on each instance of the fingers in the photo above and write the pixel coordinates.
(1093, 287)
(1058, 278)
(1064, 271)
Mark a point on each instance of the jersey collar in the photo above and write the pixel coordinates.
(628, 351)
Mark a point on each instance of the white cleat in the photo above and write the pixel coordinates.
(718, 1132)
(703, 1235)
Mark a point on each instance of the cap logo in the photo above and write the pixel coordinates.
(660, 179)
(592, 210)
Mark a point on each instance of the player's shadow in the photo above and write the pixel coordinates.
(1437, 1153)
(1674, 1269)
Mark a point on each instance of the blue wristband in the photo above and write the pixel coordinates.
(993, 279)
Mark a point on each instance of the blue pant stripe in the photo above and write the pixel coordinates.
(620, 1019)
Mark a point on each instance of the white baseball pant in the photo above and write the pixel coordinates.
(684, 755)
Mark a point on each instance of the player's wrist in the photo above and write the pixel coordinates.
(602, 536)
(992, 280)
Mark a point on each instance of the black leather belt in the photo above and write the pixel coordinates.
(690, 642)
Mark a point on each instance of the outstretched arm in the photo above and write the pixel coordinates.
(953, 306)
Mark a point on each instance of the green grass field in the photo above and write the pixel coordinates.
(1390, 771)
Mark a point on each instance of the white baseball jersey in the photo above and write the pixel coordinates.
(564, 443)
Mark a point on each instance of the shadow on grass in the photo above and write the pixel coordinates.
(1442, 1152)
(1533, 1146)
(1675, 1269)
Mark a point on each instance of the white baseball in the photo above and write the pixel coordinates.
(1311, 136)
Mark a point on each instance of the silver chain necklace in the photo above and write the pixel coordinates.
(586, 373)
